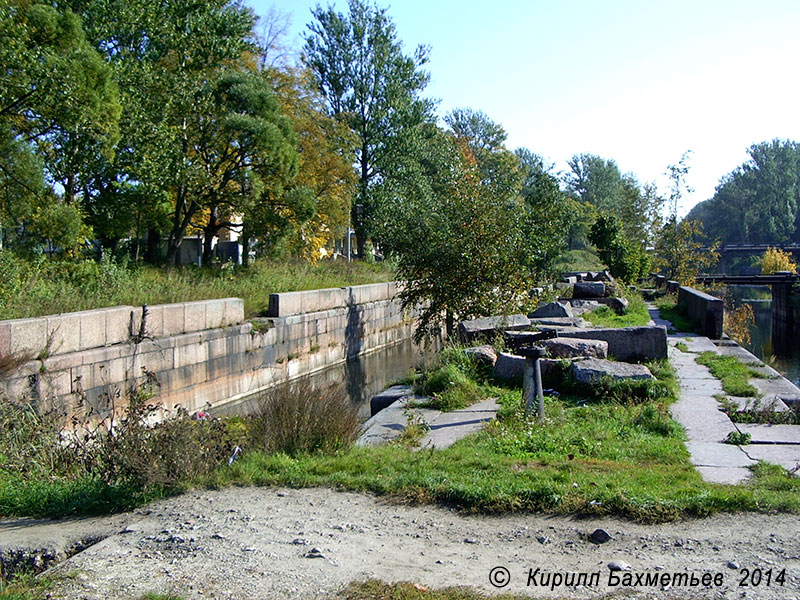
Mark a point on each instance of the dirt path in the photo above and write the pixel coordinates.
(248, 543)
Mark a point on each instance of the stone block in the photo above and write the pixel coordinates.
(64, 333)
(589, 289)
(285, 303)
(118, 323)
(154, 321)
(626, 343)
(618, 304)
(321, 300)
(590, 370)
(484, 355)
(365, 294)
(5, 338)
(158, 361)
(509, 367)
(703, 309)
(195, 316)
(572, 348)
(93, 329)
(55, 383)
(190, 354)
(173, 318)
(388, 397)
(28, 336)
(488, 327)
(110, 373)
(552, 309)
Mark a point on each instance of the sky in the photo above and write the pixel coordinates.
(636, 81)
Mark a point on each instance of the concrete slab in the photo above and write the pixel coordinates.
(725, 475)
(712, 454)
(786, 456)
(784, 434)
(449, 427)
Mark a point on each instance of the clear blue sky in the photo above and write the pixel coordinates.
(638, 81)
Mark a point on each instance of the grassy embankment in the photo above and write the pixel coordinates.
(45, 287)
(611, 449)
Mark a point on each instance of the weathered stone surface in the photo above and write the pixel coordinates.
(387, 397)
(508, 367)
(552, 309)
(485, 355)
(573, 347)
(592, 369)
(580, 307)
(589, 289)
(603, 276)
(704, 309)
(627, 343)
(618, 304)
(560, 322)
(487, 327)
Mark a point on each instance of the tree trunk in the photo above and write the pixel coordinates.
(209, 231)
(153, 243)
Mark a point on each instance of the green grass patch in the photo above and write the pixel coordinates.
(675, 314)
(732, 373)
(636, 315)
(47, 287)
(378, 590)
(682, 347)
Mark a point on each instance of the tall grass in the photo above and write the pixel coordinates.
(43, 286)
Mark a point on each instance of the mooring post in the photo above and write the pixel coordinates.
(532, 384)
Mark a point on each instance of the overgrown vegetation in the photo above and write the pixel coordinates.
(379, 590)
(606, 449)
(670, 310)
(636, 314)
(38, 287)
(775, 260)
(733, 374)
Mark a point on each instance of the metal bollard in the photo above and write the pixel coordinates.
(532, 384)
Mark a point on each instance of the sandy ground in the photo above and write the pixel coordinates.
(249, 543)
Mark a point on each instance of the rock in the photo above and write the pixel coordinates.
(589, 289)
(618, 565)
(470, 541)
(603, 276)
(484, 355)
(552, 309)
(543, 539)
(590, 370)
(732, 564)
(388, 397)
(618, 304)
(508, 367)
(300, 542)
(557, 322)
(599, 536)
(581, 307)
(627, 343)
(572, 347)
(314, 553)
(488, 327)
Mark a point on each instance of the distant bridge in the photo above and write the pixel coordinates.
(728, 251)
(779, 278)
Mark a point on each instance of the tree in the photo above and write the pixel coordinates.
(775, 260)
(759, 202)
(370, 84)
(626, 259)
(461, 249)
(57, 101)
(679, 251)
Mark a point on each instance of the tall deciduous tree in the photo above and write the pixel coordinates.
(369, 83)
(462, 249)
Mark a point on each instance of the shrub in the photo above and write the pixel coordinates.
(296, 419)
(775, 260)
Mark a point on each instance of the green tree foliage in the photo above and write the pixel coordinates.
(368, 82)
(679, 251)
(462, 249)
(626, 260)
(759, 202)
(57, 100)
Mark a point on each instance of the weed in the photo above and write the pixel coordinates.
(378, 590)
(414, 431)
(635, 315)
(738, 438)
(732, 373)
(297, 418)
(670, 310)
(682, 347)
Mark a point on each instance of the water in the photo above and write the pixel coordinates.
(363, 377)
(760, 298)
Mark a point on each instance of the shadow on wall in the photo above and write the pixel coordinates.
(353, 343)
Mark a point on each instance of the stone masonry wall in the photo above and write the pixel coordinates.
(200, 353)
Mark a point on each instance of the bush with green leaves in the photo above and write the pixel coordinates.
(626, 259)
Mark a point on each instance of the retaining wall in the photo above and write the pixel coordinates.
(704, 309)
(200, 353)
